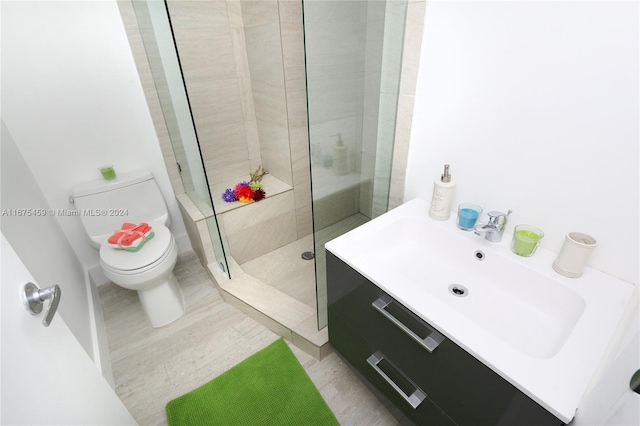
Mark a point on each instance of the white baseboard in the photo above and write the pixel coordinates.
(99, 342)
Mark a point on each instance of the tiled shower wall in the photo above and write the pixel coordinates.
(243, 65)
(335, 82)
(210, 41)
(340, 30)
(264, 53)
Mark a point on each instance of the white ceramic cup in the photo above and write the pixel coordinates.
(574, 254)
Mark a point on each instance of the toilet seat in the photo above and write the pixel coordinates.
(153, 252)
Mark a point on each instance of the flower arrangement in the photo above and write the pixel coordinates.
(247, 192)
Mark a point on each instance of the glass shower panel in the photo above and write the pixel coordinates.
(160, 49)
(353, 57)
(391, 64)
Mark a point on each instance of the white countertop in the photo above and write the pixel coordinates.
(557, 382)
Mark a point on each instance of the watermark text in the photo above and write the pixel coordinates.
(27, 212)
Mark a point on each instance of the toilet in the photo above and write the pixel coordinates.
(103, 206)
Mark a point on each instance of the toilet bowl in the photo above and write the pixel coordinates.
(149, 271)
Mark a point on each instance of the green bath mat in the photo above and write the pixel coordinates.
(268, 388)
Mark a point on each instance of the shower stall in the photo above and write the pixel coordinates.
(307, 90)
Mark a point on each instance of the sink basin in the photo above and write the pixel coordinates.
(529, 311)
(544, 333)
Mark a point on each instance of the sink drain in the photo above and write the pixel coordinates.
(458, 290)
(308, 255)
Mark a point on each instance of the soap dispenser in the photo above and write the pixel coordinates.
(443, 189)
(340, 158)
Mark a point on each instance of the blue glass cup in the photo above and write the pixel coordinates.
(468, 215)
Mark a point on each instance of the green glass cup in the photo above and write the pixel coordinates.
(525, 240)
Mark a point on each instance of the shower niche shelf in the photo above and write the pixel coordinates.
(272, 187)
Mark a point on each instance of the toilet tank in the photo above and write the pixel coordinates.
(104, 205)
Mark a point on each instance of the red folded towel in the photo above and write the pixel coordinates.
(129, 233)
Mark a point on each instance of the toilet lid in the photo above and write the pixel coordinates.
(149, 253)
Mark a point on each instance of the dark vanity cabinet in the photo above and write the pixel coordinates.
(430, 379)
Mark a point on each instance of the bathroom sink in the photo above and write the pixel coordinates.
(531, 312)
(544, 333)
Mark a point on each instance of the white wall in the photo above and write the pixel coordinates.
(610, 401)
(73, 101)
(41, 244)
(535, 106)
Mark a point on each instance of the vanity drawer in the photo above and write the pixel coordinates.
(381, 373)
(466, 389)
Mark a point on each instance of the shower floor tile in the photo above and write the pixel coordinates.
(285, 270)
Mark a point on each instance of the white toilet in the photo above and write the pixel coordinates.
(104, 205)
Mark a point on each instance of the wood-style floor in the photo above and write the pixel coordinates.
(153, 366)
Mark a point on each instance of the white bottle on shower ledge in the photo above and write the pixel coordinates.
(340, 157)
(443, 189)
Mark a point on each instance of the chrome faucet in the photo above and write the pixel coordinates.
(494, 229)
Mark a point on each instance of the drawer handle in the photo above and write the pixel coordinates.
(416, 397)
(430, 343)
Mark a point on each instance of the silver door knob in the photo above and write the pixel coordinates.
(33, 299)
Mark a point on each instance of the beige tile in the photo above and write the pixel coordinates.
(285, 270)
(253, 143)
(301, 180)
(292, 45)
(332, 99)
(275, 151)
(207, 245)
(215, 103)
(290, 11)
(198, 14)
(255, 163)
(412, 46)
(223, 145)
(343, 12)
(272, 187)
(270, 102)
(234, 12)
(193, 234)
(401, 150)
(270, 219)
(296, 72)
(240, 52)
(308, 329)
(273, 303)
(258, 316)
(221, 174)
(193, 213)
(264, 52)
(299, 138)
(246, 97)
(406, 100)
(336, 207)
(304, 216)
(206, 54)
(127, 13)
(255, 13)
(297, 103)
(155, 109)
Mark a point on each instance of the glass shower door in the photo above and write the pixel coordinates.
(155, 29)
(353, 52)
